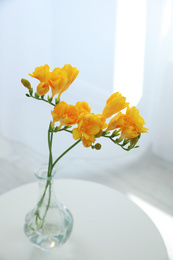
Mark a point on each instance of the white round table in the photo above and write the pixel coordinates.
(107, 225)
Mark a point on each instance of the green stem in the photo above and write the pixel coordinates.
(50, 168)
(65, 152)
(64, 129)
(41, 200)
(50, 139)
(47, 207)
(114, 141)
(38, 98)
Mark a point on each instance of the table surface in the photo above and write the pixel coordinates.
(107, 225)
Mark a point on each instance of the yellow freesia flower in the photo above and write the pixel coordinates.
(130, 124)
(65, 114)
(58, 81)
(115, 103)
(88, 143)
(128, 132)
(89, 125)
(118, 121)
(72, 73)
(41, 73)
(42, 88)
(61, 79)
(136, 120)
(83, 107)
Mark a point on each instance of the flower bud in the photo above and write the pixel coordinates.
(26, 83)
(42, 88)
(98, 146)
(133, 141)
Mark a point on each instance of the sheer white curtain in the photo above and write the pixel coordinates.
(156, 102)
(83, 33)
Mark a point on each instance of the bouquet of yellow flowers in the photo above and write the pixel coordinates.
(123, 129)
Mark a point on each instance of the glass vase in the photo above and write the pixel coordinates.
(50, 223)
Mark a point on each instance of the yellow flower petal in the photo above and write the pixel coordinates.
(76, 134)
(72, 73)
(83, 107)
(117, 121)
(128, 132)
(89, 125)
(41, 73)
(66, 114)
(87, 143)
(136, 120)
(61, 79)
(58, 81)
(115, 103)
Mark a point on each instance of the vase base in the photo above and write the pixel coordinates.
(47, 242)
(50, 235)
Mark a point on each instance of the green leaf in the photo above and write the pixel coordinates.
(125, 142)
(31, 91)
(105, 133)
(36, 95)
(57, 101)
(118, 141)
(115, 133)
(49, 99)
